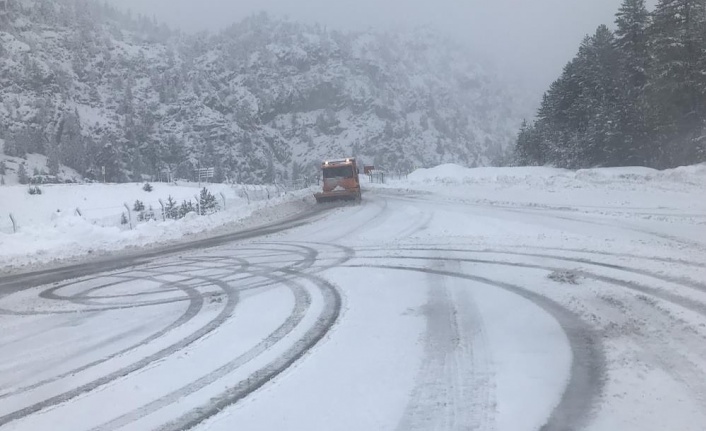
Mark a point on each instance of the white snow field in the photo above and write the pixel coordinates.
(457, 299)
(74, 220)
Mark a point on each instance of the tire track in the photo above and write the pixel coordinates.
(689, 304)
(453, 390)
(588, 366)
(232, 299)
(302, 304)
(324, 323)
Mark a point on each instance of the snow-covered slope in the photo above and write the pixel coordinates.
(265, 99)
(35, 166)
(69, 221)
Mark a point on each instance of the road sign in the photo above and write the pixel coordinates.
(205, 173)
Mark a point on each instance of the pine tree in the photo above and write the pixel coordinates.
(631, 38)
(529, 151)
(603, 140)
(633, 20)
(186, 208)
(678, 81)
(53, 160)
(3, 168)
(207, 202)
(170, 209)
(22, 176)
(71, 143)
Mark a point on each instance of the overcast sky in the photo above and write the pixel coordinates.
(532, 38)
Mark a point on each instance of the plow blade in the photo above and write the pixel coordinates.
(336, 196)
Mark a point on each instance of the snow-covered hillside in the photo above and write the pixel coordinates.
(91, 87)
(35, 166)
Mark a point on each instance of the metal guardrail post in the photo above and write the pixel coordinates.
(14, 223)
(164, 214)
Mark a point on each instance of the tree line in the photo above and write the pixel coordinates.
(635, 96)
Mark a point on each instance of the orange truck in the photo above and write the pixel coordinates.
(341, 181)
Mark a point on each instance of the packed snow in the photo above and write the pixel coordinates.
(500, 299)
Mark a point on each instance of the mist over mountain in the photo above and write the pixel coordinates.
(266, 99)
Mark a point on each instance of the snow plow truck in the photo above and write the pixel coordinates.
(340, 181)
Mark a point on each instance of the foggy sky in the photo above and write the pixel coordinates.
(532, 39)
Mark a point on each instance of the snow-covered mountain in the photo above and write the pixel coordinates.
(265, 99)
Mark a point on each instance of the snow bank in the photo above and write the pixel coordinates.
(637, 191)
(454, 174)
(46, 235)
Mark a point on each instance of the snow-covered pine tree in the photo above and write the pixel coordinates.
(207, 202)
(22, 175)
(602, 137)
(530, 149)
(53, 159)
(631, 39)
(72, 148)
(170, 209)
(678, 81)
(186, 208)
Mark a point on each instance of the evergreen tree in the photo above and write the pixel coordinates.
(631, 38)
(633, 20)
(3, 168)
(72, 145)
(529, 150)
(170, 209)
(186, 208)
(53, 160)
(603, 138)
(207, 202)
(678, 81)
(22, 176)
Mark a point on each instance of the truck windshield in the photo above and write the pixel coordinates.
(338, 172)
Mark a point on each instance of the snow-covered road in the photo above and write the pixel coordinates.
(412, 311)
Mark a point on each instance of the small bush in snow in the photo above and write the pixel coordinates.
(35, 190)
(207, 202)
(146, 215)
(170, 209)
(186, 208)
(139, 206)
(123, 219)
(147, 187)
